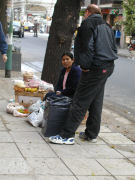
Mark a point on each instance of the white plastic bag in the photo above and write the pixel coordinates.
(16, 113)
(46, 86)
(36, 117)
(19, 83)
(36, 106)
(13, 106)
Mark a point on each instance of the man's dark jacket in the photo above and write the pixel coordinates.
(3, 44)
(95, 43)
(71, 83)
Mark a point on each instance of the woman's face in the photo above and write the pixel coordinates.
(67, 61)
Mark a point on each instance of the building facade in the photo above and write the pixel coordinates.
(111, 9)
(24, 9)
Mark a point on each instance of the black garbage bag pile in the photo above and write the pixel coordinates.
(55, 114)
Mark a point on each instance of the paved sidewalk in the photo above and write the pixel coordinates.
(26, 155)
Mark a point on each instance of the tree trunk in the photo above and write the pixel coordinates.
(3, 14)
(64, 23)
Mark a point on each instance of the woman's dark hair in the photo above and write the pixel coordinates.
(68, 54)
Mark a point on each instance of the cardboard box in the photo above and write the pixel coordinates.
(28, 98)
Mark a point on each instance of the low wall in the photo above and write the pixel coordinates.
(16, 62)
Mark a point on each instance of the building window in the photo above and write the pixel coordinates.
(93, 1)
(105, 1)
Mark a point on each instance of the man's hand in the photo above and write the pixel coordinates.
(85, 70)
(58, 92)
(4, 57)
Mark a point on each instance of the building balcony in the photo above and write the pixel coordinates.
(107, 3)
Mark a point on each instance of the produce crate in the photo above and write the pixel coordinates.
(27, 98)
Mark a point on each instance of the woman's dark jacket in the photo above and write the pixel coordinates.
(3, 44)
(71, 83)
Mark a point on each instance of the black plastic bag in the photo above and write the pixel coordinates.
(55, 114)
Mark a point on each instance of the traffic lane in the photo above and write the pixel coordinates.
(33, 48)
(120, 87)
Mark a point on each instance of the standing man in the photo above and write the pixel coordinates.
(3, 44)
(35, 29)
(95, 52)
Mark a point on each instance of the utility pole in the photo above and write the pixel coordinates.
(98, 3)
(8, 66)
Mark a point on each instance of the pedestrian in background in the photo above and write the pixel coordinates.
(3, 44)
(117, 37)
(95, 52)
(35, 29)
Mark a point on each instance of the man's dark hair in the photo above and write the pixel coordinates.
(94, 9)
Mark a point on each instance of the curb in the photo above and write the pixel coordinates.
(124, 55)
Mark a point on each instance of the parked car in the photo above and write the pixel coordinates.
(18, 29)
(28, 26)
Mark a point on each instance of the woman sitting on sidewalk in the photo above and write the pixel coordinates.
(68, 79)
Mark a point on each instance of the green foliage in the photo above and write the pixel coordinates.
(82, 12)
(129, 10)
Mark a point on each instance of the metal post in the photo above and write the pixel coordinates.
(98, 3)
(8, 66)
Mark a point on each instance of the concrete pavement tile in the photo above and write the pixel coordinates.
(81, 128)
(27, 137)
(4, 105)
(85, 167)
(36, 150)
(127, 150)
(95, 178)
(17, 177)
(105, 129)
(123, 120)
(5, 137)
(106, 111)
(132, 160)
(125, 177)
(13, 166)
(8, 118)
(41, 177)
(45, 138)
(38, 129)
(20, 126)
(115, 138)
(118, 167)
(102, 129)
(48, 166)
(75, 151)
(2, 127)
(85, 142)
(9, 150)
(130, 127)
(101, 151)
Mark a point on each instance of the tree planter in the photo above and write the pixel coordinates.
(16, 62)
